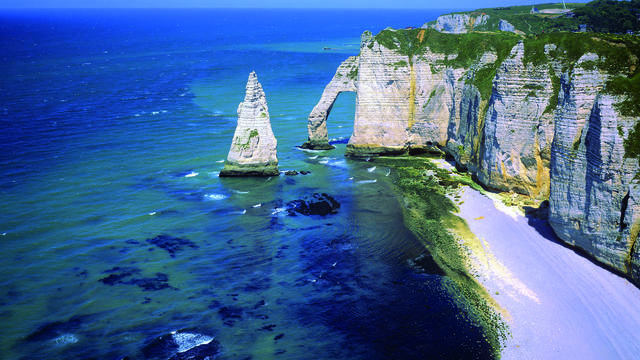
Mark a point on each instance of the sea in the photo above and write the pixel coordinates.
(115, 229)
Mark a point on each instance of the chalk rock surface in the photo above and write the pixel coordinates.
(457, 23)
(254, 147)
(345, 79)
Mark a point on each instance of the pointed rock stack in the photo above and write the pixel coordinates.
(253, 149)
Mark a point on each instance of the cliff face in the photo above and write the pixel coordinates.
(457, 23)
(532, 117)
(403, 102)
(517, 138)
(593, 201)
(253, 148)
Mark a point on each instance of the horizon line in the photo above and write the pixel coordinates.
(218, 8)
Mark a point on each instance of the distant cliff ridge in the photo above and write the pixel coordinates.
(553, 117)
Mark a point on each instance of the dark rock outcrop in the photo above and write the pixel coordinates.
(318, 204)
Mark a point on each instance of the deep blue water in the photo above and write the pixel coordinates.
(102, 116)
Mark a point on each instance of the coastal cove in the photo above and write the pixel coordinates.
(116, 229)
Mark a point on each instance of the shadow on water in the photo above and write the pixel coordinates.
(392, 312)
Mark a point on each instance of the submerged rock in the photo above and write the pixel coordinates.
(59, 331)
(171, 244)
(319, 204)
(182, 345)
(124, 276)
(253, 150)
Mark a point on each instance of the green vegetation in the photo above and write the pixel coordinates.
(431, 95)
(526, 22)
(629, 86)
(618, 54)
(399, 64)
(533, 87)
(429, 213)
(555, 93)
(604, 16)
(468, 48)
(253, 133)
(632, 144)
(461, 151)
(610, 16)
(353, 73)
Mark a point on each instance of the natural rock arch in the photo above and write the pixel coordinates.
(345, 79)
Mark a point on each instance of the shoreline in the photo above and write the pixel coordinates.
(557, 303)
(535, 297)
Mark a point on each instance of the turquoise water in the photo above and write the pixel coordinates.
(114, 126)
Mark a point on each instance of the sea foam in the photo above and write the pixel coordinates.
(215, 196)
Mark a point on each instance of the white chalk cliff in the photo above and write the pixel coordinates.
(544, 126)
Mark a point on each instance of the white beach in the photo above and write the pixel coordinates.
(558, 304)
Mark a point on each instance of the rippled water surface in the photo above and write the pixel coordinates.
(115, 228)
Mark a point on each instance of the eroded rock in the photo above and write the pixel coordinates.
(318, 204)
(253, 149)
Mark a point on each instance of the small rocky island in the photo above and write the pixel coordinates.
(253, 150)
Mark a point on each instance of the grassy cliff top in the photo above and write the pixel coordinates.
(618, 55)
(607, 16)
(549, 18)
